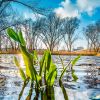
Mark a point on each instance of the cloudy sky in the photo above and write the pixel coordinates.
(88, 11)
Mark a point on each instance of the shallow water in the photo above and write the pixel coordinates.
(84, 89)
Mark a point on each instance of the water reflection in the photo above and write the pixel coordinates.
(45, 93)
(86, 86)
(3, 88)
(23, 87)
(63, 90)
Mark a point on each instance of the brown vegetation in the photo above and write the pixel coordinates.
(81, 52)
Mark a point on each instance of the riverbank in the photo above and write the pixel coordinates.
(81, 52)
(98, 55)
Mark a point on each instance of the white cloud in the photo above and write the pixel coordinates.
(31, 15)
(88, 5)
(68, 9)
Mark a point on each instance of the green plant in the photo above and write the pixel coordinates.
(27, 56)
(71, 63)
(22, 74)
(48, 70)
(47, 67)
(63, 90)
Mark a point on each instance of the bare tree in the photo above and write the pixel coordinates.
(70, 26)
(33, 5)
(30, 28)
(8, 20)
(6, 10)
(98, 37)
(4, 16)
(92, 34)
(34, 34)
(51, 31)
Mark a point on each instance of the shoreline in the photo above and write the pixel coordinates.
(83, 53)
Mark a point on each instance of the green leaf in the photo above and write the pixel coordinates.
(63, 90)
(16, 62)
(28, 60)
(35, 57)
(42, 64)
(75, 78)
(64, 70)
(51, 77)
(12, 34)
(21, 38)
(48, 59)
(75, 60)
(20, 69)
(45, 62)
(38, 78)
(49, 68)
(50, 93)
(73, 71)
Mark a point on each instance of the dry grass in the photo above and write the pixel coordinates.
(81, 52)
(98, 54)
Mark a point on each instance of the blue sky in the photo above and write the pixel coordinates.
(88, 11)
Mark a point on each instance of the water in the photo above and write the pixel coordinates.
(84, 89)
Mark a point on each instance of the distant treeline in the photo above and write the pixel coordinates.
(46, 30)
